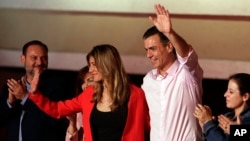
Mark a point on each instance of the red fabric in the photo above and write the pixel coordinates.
(137, 124)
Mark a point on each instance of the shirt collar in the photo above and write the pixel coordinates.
(171, 71)
(26, 82)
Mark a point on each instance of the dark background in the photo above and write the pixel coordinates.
(213, 89)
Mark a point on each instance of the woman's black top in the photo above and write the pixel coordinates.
(108, 126)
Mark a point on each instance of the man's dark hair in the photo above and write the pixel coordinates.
(152, 31)
(34, 42)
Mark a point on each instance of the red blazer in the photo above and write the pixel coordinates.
(137, 125)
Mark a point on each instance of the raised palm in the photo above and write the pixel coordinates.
(35, 81)
(162, 20)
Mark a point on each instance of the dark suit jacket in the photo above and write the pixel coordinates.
(36, 125)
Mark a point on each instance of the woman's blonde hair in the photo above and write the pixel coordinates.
(109, 64)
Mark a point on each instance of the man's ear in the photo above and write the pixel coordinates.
(170, 47)
(22, 59)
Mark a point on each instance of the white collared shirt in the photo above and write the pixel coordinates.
(172, 99)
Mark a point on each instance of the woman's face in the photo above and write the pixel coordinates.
(233, 98)
(97, 76)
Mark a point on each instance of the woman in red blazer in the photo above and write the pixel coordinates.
(113, 109)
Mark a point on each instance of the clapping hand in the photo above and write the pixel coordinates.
(225, 122)
(17, 89)
(203, 114)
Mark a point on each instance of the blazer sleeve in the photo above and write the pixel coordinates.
(61, 108)
(8, 113)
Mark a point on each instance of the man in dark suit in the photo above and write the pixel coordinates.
(23, 120)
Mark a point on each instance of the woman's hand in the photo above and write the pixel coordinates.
(225, 122)
(35, 81)
(203, 114)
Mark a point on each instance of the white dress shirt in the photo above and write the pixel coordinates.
(172, 99)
